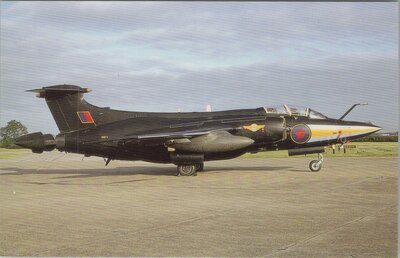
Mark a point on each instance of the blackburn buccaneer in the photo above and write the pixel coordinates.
(186, 139)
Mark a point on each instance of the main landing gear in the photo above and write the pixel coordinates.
(316, 165)
(200, 167)
(190, 170)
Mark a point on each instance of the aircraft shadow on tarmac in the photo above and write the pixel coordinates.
(127, 171)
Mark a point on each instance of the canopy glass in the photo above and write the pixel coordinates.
(295, 111)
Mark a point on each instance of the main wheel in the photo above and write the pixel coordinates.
(200, 167)
(315, 166)
(187, 170)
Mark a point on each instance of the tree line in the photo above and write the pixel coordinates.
(10, 132)
(379, 138)
(15, 129)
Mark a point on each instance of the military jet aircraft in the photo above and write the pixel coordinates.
(186, 139)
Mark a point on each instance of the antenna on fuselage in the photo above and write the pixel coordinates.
(350, 109)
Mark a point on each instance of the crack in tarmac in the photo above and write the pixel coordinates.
(308, 239)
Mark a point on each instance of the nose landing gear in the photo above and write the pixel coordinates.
(200, 167)
(316, 165)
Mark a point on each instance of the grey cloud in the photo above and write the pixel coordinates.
(325, 55)
(329, 87)
(219, 28)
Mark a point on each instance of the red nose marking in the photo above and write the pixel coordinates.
(300, 134)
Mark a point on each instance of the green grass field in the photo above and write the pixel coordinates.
(11, 153)
(356, 149)
(360, 149)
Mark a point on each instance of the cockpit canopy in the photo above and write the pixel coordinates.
(295, 111)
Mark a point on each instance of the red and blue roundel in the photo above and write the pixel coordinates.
(300, 134)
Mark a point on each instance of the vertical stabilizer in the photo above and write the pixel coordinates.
(70, 111)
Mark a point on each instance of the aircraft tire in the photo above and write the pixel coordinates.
(314, 166)
(199, 167)
(187, 170)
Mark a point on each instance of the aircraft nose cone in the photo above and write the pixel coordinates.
(371, 128)
(376, 128)
(361, 130)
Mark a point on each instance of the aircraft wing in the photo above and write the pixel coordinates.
(163, 137)
(200, 140)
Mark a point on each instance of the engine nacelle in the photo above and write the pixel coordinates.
(214, 142)
(275, 129)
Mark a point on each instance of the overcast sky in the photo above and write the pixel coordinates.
(161, 56)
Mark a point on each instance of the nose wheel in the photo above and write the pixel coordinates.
(316, 165)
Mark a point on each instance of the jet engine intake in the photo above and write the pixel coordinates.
(275, 129)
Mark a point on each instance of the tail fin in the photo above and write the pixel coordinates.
(70, 111)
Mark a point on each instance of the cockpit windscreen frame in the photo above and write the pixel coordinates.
(295, 111)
